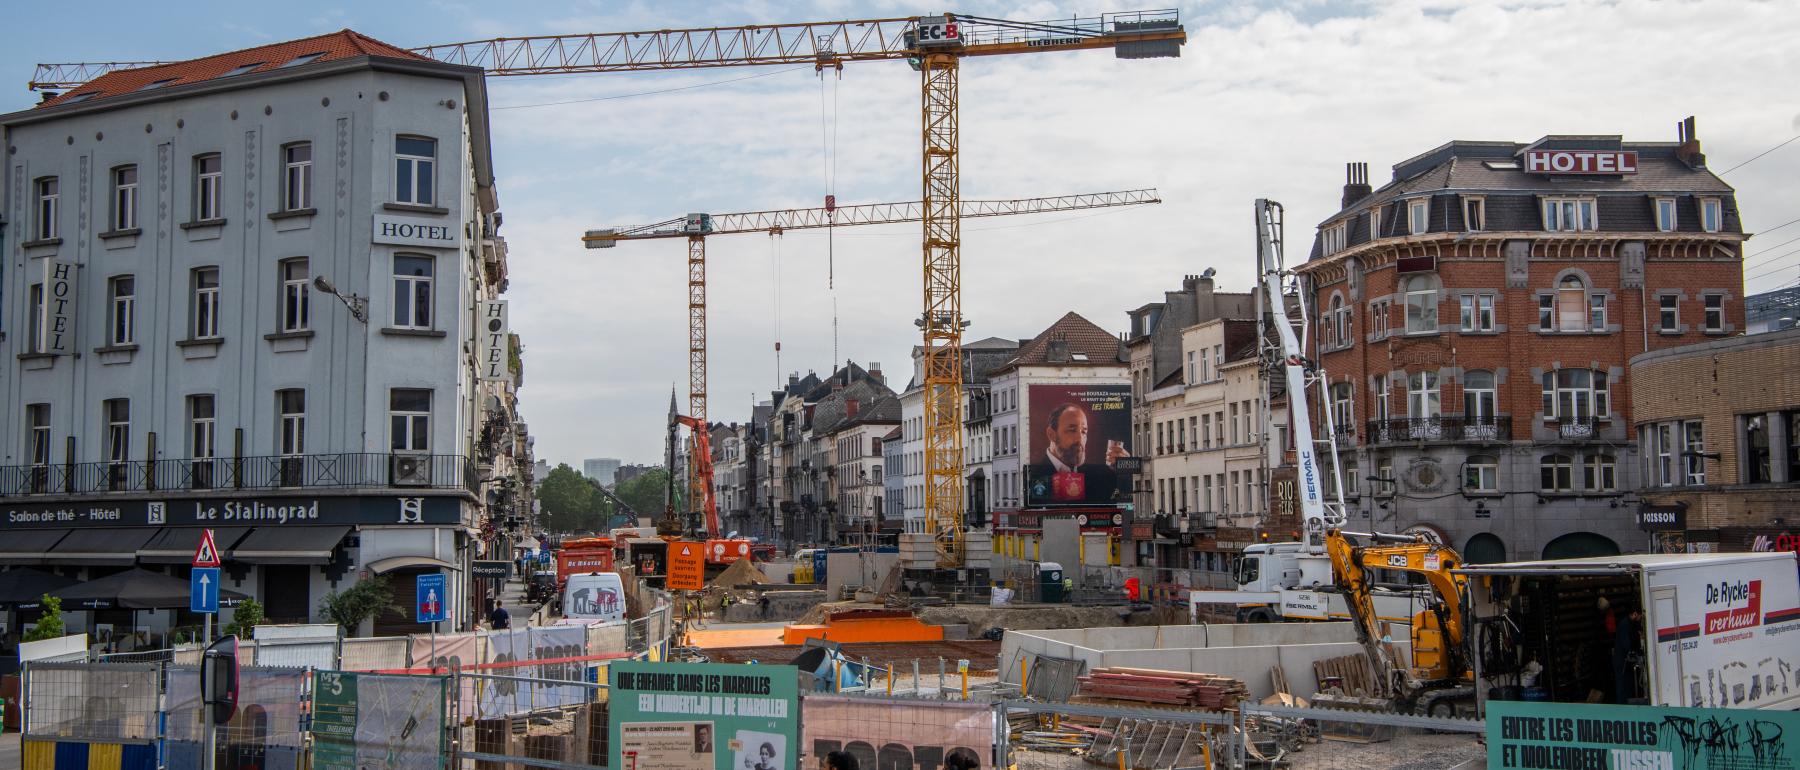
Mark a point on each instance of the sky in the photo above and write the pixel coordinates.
(1267, 100)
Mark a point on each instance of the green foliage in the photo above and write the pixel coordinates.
(247, 616)
(570, 502)
(645, 492)
(50, 624)
(365, 600)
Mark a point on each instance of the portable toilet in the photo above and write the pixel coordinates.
(1050, 582)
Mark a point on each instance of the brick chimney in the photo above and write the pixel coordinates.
(1689, 150)
(850, 407)
(1356, 183)
(875, 372)
(1058, 351)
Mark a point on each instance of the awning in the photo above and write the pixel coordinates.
(176, 545)
(28, 546)
(287, 545)
(101, 547)
(23, 588)
(136, 589)
(392, 563)
(978, 473)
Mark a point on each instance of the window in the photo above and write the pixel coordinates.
(1234, 423)
(35, 324)
(1206, 431)
(37, 441)
(1159, 438)
(1478, 396)
(1421, 304)
(291, 404)
(1757, 468)
(307, 58)
(202, 438)
(1378, 319)
(1665, 214)
(1381, 396)
(121, 310)
(47, 200)
(1556, 473)
(209, 187)
(1571, 304)
(206, 303)
(296, 176)
(294, 296)
(241, 69)
(1793, 455)
(1569, 214)
(1711, 214)
(1190, 368)
(1546, 312)
(414, 159)
(1343, 409)
(1693, 453)
(1668, 314)
(1715, 312)
(1597, 312)
(1218, 362)
(1418, 216)
(1599, 473)
(124, 197)
(118, 429)
(1575, 395)
(1474, 214)
(1422, 395)
(1477, 312)
(1375, 223)
(1481, 474)
(409, 417)
(1332, 238)
(412, 292)
(1329, 333)
(1663, 449)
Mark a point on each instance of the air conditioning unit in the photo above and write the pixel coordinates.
(411, 470)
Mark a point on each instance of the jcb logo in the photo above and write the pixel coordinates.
(1397, 560)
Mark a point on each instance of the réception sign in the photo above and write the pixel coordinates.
(1572, 736)
(1581, 162)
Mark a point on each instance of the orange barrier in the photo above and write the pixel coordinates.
(866, 626)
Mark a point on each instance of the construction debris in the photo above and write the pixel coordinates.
(1174, 688)
(1349, 675)
(741, 572)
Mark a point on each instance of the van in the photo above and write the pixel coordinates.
(596, 595)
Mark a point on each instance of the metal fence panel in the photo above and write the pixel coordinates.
(373, 654)
(565, 732)
(106, 702)
(318, 653)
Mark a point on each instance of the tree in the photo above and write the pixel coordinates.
(644, 493)
(50, 624)
(569, 501)
(244, 619)
(365, 600)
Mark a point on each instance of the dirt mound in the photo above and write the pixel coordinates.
(816, 616)
(741, 572)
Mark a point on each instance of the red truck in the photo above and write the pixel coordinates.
(582, 556)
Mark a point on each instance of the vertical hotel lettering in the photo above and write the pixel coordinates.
(59, 306)
(494, 337)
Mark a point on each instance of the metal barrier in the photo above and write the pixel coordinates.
(94, 702)
(267, 730)
(528, 722)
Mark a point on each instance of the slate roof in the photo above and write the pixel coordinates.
(335, 46)
(1084, 338)
(875, 404)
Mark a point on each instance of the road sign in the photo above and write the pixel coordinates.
(203, 591)
(430, 598)
(207, 555)
(687, 566)
(491, 569)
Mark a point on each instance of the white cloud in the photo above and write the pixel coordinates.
(1265, 103)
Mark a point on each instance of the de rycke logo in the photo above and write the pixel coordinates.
(1742, 606)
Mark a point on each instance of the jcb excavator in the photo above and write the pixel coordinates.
(1438, 676)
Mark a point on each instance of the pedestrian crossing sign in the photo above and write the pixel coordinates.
(207, 555)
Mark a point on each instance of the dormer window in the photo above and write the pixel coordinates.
(241, 69)
(1665, 214)
(1711, 214)
(1333, 238)
(1418, 216)
(1474, 214)
(1569, 214)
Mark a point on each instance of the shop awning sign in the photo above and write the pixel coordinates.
(1662, 518)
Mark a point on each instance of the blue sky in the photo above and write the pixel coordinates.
(1267, 100)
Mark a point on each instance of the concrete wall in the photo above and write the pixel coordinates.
(1241, 651)
(855, 569)
(783, 605)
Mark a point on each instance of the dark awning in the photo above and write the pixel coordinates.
(100, 547)
(28, 546)
(22, 588)
(135, 589)
(391, 563)
(176, 545)
(287, 545)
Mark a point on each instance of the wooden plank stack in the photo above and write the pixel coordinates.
(1357, 675)
(1171, 688)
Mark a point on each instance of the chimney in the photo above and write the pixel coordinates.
(793, 379)
(875, 372)
(1689, 150)
(1058, 351)
(850, 407)
(1356, 183)
(46, 96)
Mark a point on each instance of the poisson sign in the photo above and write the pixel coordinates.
(1581, 162)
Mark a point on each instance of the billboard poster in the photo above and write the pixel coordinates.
(1077, 436)
(1522, 734)
(703, 716)
(898, 734)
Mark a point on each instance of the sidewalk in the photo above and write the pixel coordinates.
(11, 755)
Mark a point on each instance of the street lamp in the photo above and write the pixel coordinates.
(358, 305)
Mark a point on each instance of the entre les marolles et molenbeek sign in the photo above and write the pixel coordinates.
(257, 512)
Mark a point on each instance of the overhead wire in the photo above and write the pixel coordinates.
(1755, 157)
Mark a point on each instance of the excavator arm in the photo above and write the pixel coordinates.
(1438, 633)
(703, 469)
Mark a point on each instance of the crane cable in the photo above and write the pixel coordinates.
(828, 169)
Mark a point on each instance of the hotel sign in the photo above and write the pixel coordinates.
(216, 511)
(407, 231)
(1581, 162)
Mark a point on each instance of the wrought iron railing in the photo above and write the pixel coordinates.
(1585, 426)
(347, 470)
(1444, 428)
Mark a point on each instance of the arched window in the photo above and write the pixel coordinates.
(1421, 304)
(1343, 409)
(1481, 474)
(1328, 336)
(1571, 304)
(1484, 548)
(1556, 473)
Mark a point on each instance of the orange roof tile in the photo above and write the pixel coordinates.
(1083, 336)
(343, 44)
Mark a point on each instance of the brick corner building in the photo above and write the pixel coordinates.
(1476, 316)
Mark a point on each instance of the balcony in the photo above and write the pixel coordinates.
(1576, 428)
(1449, 428)
(328, 471)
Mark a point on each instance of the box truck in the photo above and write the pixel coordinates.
(1695, 630)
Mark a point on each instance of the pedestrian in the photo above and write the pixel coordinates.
(499, 619)
(841, 760)
(1627, 651)
(763, 603)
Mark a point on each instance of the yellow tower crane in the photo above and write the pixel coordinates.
(696, 227)
(934, 45)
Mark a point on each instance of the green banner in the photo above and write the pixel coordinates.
(702, 716)
(1583, 736)
(377, 720)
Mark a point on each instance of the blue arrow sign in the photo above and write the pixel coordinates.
(203, 590)
(430, 598)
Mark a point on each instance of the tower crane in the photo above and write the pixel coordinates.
(933, 45)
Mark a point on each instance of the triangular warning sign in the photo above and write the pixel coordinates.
(207, 555)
